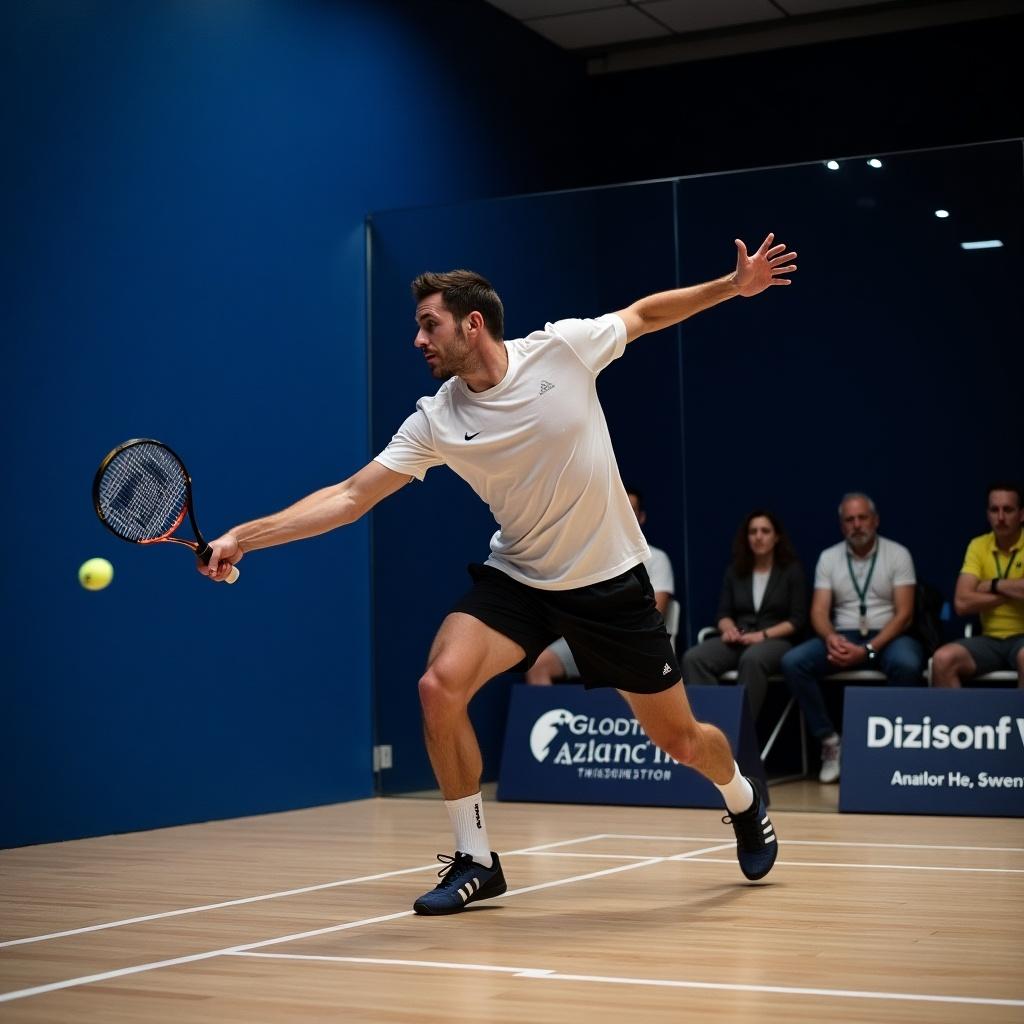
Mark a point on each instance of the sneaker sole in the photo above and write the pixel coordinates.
(486, 892)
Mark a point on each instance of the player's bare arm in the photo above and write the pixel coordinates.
(319, 512)
(768, 266)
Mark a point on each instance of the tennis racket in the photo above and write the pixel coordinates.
(141, 494)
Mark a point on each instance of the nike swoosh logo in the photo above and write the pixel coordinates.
(469, 437)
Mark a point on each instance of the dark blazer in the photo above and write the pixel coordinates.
(785, 599)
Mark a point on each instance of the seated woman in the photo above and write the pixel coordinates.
(762, 607)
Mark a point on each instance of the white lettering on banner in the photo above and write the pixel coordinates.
(916, 779)
(591, 752)
(628, 774)
(884, 732)
(957, 780)
(1000, 781)
(544, 739)
(582, 725)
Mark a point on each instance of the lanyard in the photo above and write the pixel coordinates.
(1009, 565)
(862, 595)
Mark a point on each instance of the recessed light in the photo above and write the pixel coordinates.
(832, 165)
(874, 162)
(942, 214)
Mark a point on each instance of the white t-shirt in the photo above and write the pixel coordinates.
(894, 568)
(536, 449)
(659, 568)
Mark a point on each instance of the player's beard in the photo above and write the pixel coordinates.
(456, 360)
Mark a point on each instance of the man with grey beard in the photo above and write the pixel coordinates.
(862, 606)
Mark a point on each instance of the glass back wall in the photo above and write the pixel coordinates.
(889, 366)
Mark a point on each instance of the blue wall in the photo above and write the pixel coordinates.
(184, 192)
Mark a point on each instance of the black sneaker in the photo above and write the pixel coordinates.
(756, 846)
(463, 882)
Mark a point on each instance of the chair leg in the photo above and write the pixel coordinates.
(803, 741)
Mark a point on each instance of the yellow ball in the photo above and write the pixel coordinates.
(95, 574)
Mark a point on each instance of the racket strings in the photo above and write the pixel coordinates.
(143, 492)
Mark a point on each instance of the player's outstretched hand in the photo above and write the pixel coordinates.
(225, 554)
(763, 269)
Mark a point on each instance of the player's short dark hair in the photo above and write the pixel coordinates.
(462, 292)
(1005, 485)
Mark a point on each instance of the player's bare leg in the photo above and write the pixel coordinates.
(668, 720)
(465, 655)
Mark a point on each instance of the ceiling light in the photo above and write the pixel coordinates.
(832, 165)
(874, 162)
(991, 243)
(942, 214)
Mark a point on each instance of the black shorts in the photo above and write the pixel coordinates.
(613, 628)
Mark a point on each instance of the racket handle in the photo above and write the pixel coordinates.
(203, 554)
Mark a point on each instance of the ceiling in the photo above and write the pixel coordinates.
(620, 35)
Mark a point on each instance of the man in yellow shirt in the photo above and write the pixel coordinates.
(991, 585)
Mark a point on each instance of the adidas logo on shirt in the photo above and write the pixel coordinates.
(545, 386)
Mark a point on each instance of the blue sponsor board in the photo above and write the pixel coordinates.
(911, 751)
(566, 744)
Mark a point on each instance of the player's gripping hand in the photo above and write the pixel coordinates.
(226, 553)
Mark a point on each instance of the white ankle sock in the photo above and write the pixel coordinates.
(738, 794)
(467, 817)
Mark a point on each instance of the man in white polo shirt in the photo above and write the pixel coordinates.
(862, 606)
(521, 423)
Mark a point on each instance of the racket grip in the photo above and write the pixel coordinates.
(203, 554)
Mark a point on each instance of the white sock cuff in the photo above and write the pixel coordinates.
(467, 818)
(737, 793)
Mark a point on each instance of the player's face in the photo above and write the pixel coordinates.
(761, 535)
(440, 338)
(1004, 514)
(858, 523)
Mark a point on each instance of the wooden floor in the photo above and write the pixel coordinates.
(613, 914)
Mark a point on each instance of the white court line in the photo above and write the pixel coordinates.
(595, 856)
(837, 864)
(822, 842)
(267, 896)
(525, 850)
(552, 975)
(244, 947)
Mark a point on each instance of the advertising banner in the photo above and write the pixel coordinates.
(566, 744)
(918, 751)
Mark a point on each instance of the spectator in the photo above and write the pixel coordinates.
(862, 605)
(991, 585)
(763, 605)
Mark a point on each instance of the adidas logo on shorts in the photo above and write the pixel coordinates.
(668, 668)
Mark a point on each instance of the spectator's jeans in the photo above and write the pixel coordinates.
(901, 660)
